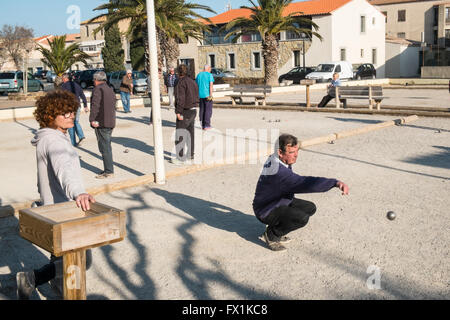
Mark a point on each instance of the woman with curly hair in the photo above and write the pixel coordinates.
(58, 174)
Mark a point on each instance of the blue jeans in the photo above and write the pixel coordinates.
(76, 129)
(125, 96)
(104, 146)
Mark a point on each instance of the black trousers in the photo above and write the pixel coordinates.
(285, 219)
(48, 272)
(184, 136)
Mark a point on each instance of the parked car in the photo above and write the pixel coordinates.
(50, 76)
(324, 72)
(364, 71)
(221, 73)
(139, 81)
(85, 78)
(13, 82)
(40, 74)
(296, 74)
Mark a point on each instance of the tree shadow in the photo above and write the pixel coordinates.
(439, 159)
(195, 277)
(18, 254)
(145, 289)
(371, 121)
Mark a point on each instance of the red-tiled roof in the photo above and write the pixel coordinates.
(72, 37)
(383, 2)
(310, 8)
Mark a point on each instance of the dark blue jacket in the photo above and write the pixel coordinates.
(278, 184)
(76, 90)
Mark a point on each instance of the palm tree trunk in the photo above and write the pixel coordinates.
(270, 54)
(171, 52)
(147, 57)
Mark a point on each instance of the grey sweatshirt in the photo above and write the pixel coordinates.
(58, 167)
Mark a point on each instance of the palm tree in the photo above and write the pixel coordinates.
(59, 57)
(173, 19)
(179, 22)
(267, 20)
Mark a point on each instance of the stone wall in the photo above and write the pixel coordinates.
(243, 56)
(438, 72)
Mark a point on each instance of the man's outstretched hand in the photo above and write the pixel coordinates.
(343, 187)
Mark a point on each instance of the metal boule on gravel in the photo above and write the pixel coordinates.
(391, 215)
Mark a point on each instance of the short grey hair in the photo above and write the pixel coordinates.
(206, 66)
(100, 76)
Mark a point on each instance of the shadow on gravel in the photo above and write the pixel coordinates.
(394, 285)
(439, 159)
(98, 156)
(138, 145)
(379, 165)
(144, 288)
(146, 120)
(198, 279)
(18, 254)
(356, 120)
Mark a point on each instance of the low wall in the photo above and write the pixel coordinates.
(437, 72)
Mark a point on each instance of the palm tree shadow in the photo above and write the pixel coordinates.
(198, 279)
(216, 215)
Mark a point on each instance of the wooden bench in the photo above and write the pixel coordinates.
(373, 93)
(257, 92)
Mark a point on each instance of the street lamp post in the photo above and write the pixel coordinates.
(160, 176)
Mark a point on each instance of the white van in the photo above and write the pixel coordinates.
(324, 71)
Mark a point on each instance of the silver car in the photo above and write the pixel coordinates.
(51, 76)
(139, 81)
(13, 82)
(220, 73)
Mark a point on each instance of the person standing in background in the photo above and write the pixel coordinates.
(75, 88)
(170, 81)
(126, 90)
(103, 120)
(205, 82)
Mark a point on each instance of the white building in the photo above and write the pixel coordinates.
(352, 30)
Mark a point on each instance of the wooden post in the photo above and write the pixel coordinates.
(74, 270)
(338, 103)
(308, 102)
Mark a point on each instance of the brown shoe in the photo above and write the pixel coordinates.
(104, 175)
(273, 245)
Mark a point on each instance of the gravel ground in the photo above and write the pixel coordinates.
(196, 236)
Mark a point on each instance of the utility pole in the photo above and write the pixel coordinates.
(160, 175)
(25, 73)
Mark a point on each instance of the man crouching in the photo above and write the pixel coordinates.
(274, 203)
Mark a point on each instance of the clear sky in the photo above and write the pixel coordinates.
(59, 17)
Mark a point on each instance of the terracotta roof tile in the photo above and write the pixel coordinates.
(313, 7)
(384, 2)
(101, 19)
